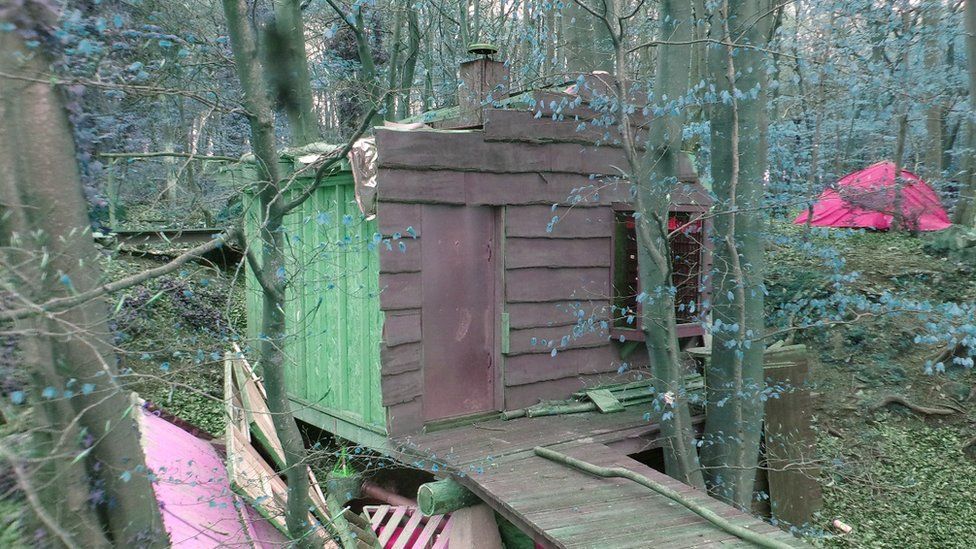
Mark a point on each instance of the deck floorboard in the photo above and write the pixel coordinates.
(562, 507)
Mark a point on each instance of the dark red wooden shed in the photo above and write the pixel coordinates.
(518, 254)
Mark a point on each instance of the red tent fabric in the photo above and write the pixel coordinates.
(867, 199)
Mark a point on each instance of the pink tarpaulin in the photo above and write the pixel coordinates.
(199, 509)
(869, 199)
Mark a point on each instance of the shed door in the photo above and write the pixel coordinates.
(459, 310)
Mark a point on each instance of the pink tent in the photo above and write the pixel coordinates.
(868, 199)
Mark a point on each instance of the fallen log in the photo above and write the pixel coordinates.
(745, 534)
(444, 496)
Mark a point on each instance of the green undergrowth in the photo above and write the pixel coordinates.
(172, 333)
(897, 477)
(901, 483)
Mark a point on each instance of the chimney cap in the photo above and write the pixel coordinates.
(482, 49)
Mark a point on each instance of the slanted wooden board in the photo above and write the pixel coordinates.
(604, 400)
(247, 392)
(562, 507)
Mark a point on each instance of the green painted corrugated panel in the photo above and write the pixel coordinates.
(332, 306)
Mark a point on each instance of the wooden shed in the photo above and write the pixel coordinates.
(498, 269)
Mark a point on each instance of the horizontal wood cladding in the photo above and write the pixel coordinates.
(404, 418)
(523, 369)
(509, 125)
(544, 340)
(402, 387)
(400, 256)
(494, 189)
(395, 217)
(551, 252)
(465, 151)
(400, 291)
(401, 327)
(541, 284)
(401, 358)
(578, 222)
(555, 313)
(520, 396)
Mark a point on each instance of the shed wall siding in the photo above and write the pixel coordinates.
(557, 261)
(332, 305)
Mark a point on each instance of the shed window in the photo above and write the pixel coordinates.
(687, 247)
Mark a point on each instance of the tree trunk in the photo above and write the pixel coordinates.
(270, 271)
(577, 40)
(935, 113)
(72, 351)
(656, 179)
(965, 213)
(409, 64)
(298, 105)
(734, 412)
(392, 68)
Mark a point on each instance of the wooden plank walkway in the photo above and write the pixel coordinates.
(562, 507)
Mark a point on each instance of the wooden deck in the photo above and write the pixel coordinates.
(562, 507)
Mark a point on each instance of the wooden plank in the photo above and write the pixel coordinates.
(405, 417)
(545, 188)
(475, 527)
(402, 256)
(403, 387)
(438, 150)
(540, 285)
(555, 313)
(419, 185)
(402, 358)
(408, 530)
(550, 252)
(377, 516)
(520, 396)
(401, 328)
(400, 291)
(523, 126)
(391, 525)
(533, 368)
(560, 338)
(395, 218)
(429, 531)
(579, 222)
(795, 495)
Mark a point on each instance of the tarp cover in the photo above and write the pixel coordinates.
(868, 199)
(199, 508)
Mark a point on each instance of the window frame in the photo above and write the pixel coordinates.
(684, 329)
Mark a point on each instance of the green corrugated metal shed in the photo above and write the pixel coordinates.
(332, 305)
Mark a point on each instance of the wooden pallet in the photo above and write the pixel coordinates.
(416, 530)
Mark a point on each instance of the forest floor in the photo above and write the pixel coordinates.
(172, 333)
(898, 477)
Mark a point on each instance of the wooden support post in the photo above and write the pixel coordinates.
(794, 490)
(444, 496)
(475, 527)
(790, 472)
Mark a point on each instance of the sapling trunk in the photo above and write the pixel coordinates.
(269, 266)
(734, 375)
(656, 178)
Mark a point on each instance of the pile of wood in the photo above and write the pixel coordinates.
(249, 433)
(604, 398)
